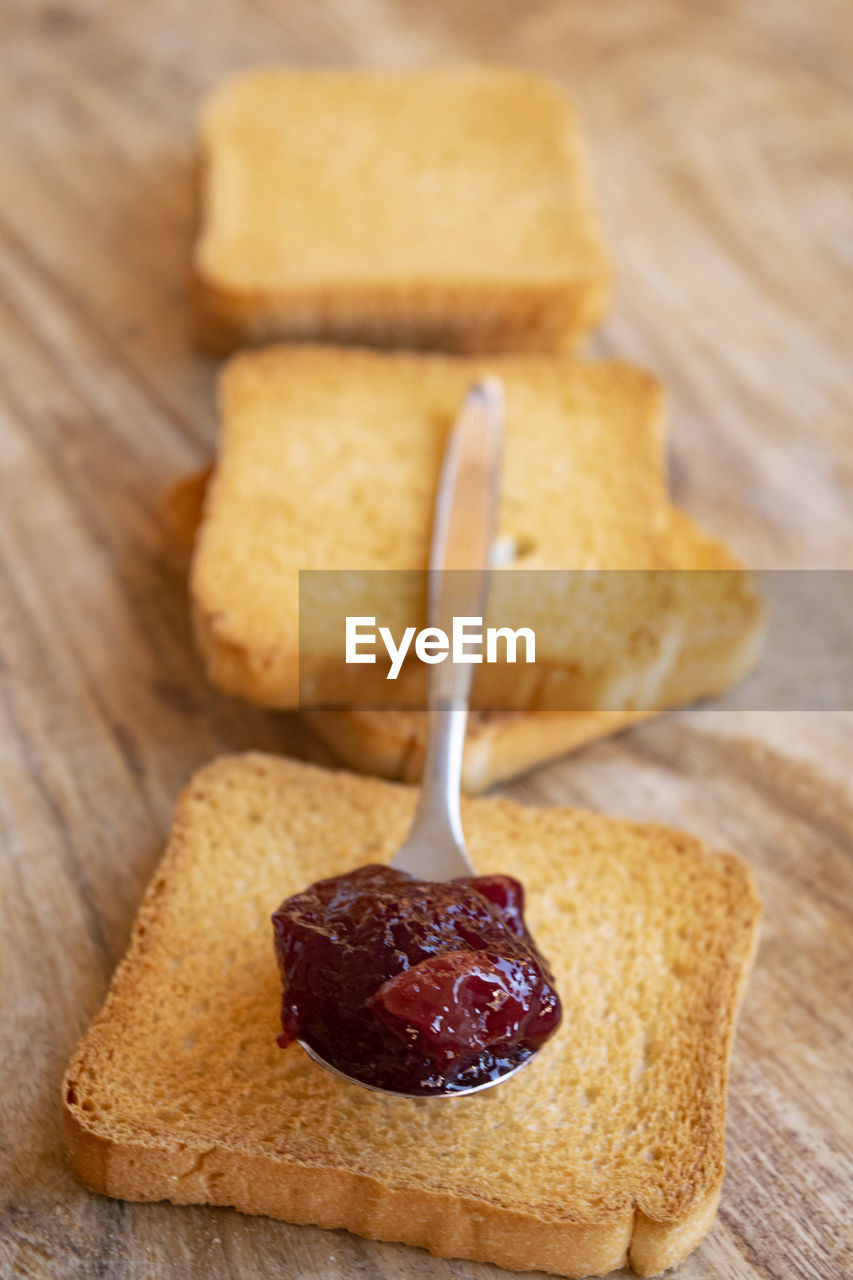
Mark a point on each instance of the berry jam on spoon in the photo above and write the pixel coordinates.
(420, 978)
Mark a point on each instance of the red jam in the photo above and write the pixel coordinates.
(416, 986)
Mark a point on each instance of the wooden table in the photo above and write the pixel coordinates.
(719, 136)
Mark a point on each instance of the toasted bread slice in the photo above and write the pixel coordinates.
(582, 489)
(608, 1146)
(447, 209)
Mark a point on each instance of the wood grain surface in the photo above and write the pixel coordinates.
(721, 137)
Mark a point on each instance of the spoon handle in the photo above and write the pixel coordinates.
(463, 531)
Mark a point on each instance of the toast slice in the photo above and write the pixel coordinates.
(364, 432)
(609, 1146)
(444, 209)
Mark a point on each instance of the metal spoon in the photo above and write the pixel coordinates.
(463, 530)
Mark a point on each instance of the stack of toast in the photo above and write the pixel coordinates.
(447, 215)
(583, 488)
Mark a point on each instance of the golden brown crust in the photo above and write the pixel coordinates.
(656, 1246)
(266, 674)
(468, 320)
(448, 1226)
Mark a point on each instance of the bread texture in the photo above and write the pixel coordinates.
(608, 1147)
(443, 209)
(582, 488)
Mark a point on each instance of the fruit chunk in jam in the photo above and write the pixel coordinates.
(413, 985)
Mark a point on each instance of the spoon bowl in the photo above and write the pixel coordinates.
(398, 1093)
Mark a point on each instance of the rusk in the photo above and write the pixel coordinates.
(608, 1147)
(582, 488)
(447, 209)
